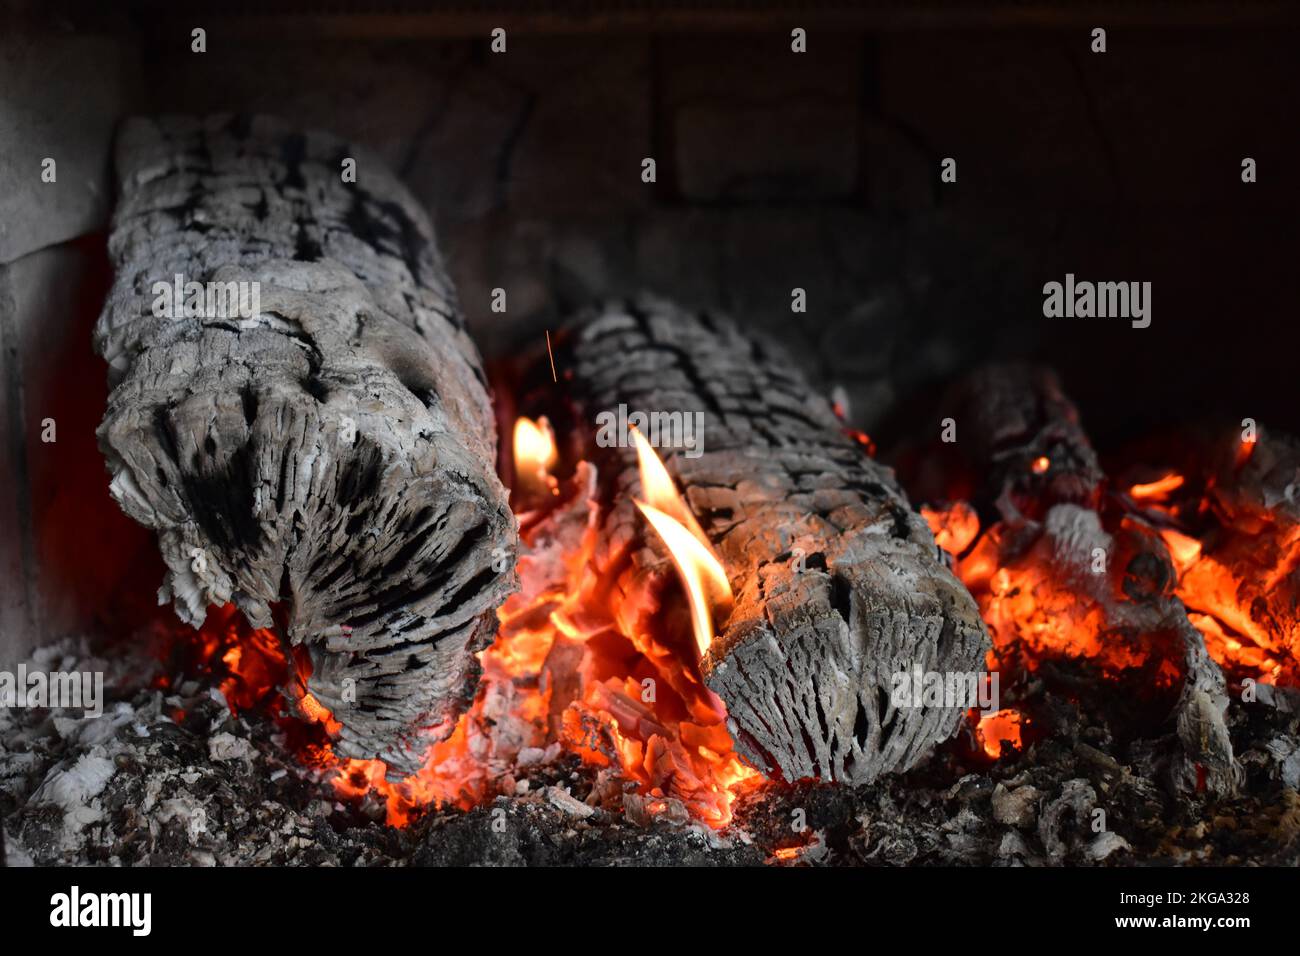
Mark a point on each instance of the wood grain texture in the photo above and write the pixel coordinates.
(229, 436)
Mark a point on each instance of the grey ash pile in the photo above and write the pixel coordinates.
(171, 777)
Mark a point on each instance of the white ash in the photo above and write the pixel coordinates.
(1015, 807)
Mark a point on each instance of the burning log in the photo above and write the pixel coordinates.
(325, 448)
(1067, 574)
(838, 585)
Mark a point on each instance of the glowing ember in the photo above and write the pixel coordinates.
(954, 528)
(1213, 589)
(1235, 545)
(1244, 451)
(317, 713)
(1184, 550)
(1041, 464)
(248, 664)
(1034, 614)
(1036, 610)
(1157, 490)
(998, 731)
(1233, 653)
(859, 436)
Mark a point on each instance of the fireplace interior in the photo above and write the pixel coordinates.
(547, 512)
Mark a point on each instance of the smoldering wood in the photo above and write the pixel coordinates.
(1017, 413)
(332, 452)
(1135, 604)
(1254, 496)
(1010, 415)
(1240, 501)
(838, 583)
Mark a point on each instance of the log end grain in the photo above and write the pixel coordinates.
(807, 661)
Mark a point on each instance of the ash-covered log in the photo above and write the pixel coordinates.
(297, 410)
(838, 583)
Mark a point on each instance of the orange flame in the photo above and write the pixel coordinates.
(702, 574)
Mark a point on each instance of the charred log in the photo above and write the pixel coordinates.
(1022, 437)
(838, 583)
(1077, 574)
(326, 447)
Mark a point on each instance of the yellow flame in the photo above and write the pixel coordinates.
(535, 455)
(534, 444)
(707, 589)
(701, 574)
(659, 491)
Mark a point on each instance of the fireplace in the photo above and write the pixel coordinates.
(647, 442)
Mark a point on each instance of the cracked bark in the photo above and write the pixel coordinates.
(838, 583)
(233, 437)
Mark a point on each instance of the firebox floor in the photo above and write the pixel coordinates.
(172, 778)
